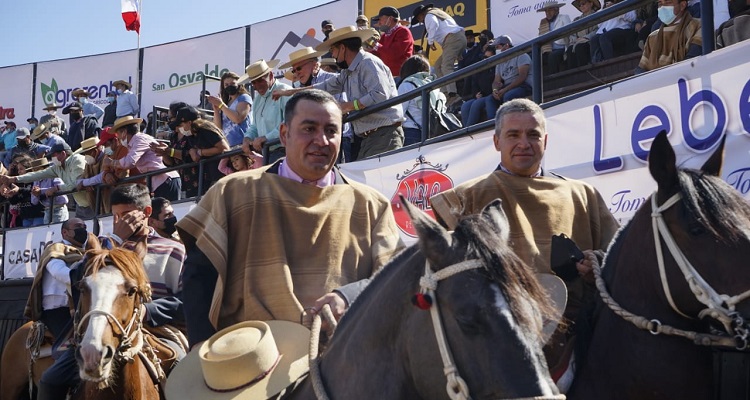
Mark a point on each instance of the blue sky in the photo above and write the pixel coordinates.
(43, 30)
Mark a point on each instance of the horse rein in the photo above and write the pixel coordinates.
(131, 336)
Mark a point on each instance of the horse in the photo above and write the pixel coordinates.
(457, 316)
(16, 364)
(672, 288)
(112, 353)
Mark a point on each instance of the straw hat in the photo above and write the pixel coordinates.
(52, 106)
(122, 82)
(305, 53)
(327, 61)
(346, 32)
(80, 93)
(39, 163)
(39, 131)
(551, 4)
(249, 360)
(595, 6)
(558, 293)
(126, 120)
(87, 144)
(258, 69)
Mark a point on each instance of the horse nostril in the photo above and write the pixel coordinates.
(109, 353)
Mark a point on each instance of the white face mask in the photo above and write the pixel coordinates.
(90, 160)
(108, 151)
(83, 100)
(51, 112)
(666, 14)
(186, 132)
(56, 162)
(124, 142)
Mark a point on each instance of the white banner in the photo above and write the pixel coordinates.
(276, 38)
(519, 19)
(57, 79)
(23, 248)
(174, 71)
(15, 95)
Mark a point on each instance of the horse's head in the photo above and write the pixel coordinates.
(110, 313)
(704, 237)
(489, 305)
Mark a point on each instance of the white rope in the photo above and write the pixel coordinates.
(315, 375)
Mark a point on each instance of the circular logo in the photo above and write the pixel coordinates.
(417, 187)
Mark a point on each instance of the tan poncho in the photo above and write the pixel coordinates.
(61, 251)
(670, 44)
(279, 245)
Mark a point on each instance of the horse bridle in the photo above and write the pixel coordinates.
(718, 306)
(456, 386)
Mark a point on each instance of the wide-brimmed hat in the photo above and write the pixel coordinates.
(74, 106)
(419, 10)
(39, 163)
(346, 32)
(52, 106)
(39, 131)
(362, 18)
(80, 93)
(126, 120)
(122, 82)
(305, 53)
(87, 144)
(551, 4)
(596, 5)
(257, 69)
(106, 135)
(249, 360)
(328, 61)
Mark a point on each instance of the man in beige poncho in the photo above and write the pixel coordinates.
(265, 244)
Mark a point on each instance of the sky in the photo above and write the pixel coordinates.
(43, 30)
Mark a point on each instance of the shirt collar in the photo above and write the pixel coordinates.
(286, 172)
(502, 168)
(357, 59)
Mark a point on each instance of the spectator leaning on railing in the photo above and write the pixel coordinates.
(677, 40)
(553, 53)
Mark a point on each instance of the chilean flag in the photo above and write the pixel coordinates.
(131, 16)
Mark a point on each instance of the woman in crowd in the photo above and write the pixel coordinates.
(414, 73)
(232, 109)
(206, 141)
(578, 53)
(22, 211)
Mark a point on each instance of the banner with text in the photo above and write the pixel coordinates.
(57, 79)
(520, 19)
(15, 96)
(174, 71)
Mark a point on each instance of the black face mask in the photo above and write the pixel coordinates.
(76, 116)
(231, 90)
(80, 235)
(482, 40)
(169, 225)
(342, 64)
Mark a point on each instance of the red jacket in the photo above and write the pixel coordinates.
(395, 47)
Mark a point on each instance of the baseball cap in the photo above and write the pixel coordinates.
(502, 39)
(57, 148)
(389, 12)
(325, 23)
(106, 135)
(361, 18)
(186, 114)
(22, 133)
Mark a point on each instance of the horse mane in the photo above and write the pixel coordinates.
(714, 206)
(128, 262)
(515, 278)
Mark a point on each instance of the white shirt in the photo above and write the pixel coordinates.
(55, 283)
(438, 29)
(623, 21)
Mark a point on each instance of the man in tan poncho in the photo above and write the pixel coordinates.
(677, 39)
(538, 205)
(265, 244)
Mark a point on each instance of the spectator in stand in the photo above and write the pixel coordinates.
(43, 192)
(142, 157)
(329, 65)
(97, 173)
(363, 24)
(578, 53)
(396, 44)
(54, 122)
(43, 135)
(33, 123)
(268, 112)
(240, 162)
(442, 28)
(89, 109)
(677, 40)
(127, 101)
(206, 139)
(553, 53)
(81, 127)
(471, 54)
(480, 84)
(178, 153)
(9, 141)
(416, 73)
(162, 219)
(24, 145)
(326, 27)
(615, 33)
(737, 28)
(110, 111)
(232, 109)
(203, 103)
(22, 211)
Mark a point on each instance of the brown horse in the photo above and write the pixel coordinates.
(14, 367)
(108, 328)
(489, 306)
(671, 319)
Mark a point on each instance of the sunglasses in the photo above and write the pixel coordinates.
(298, 69)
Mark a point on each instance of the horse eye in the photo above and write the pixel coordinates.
(132, 291)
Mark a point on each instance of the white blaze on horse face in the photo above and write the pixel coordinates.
(105, 288)
(501, 303)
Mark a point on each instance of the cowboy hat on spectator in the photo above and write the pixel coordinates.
(39, 131)
(257, 70)
(346, 32)
(551, 4)
(122, 82)
(80, 93)
(124, 121)
(419, 10)
(52, 106)
(595, 5)
(305, 53)
(87, 144)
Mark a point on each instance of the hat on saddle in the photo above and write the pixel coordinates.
(249, 360)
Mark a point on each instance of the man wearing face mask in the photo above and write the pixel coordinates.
(127, 101)
(678, 39)
(396, 44)
(33, 123)
(89, 109)
(43, 135)
(81, 127)
(110, 111)
(162, 219)
(9, 141)
(66, 166)
(53, 121)
(24, 145)
(95, 173)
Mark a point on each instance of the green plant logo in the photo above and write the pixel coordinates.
(49, 92)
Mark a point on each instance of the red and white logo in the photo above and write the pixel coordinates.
(417, 185)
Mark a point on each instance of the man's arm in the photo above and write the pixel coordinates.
(198, 284)
(137, 149)
(431, 24)
(133, 100)
(523, 72)
(165, 310)
(76, 171)
(376, 80)
(59, 271)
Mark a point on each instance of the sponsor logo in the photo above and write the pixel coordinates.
(51, 93)
(740, 180)
(27, 255)
(624, 202)
(417, 185)
(7, 113)
(177, 80)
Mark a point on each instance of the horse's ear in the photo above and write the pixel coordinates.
(92, 243)
(433, 238)
(662, 162)
(494, 213)
(714, 163)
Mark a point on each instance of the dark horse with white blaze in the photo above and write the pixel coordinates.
(490, 305)
(673, 313)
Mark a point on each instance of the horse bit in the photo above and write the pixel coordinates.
(720, 307)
